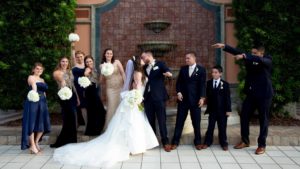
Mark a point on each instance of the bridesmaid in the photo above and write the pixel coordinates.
(64, 78)
(78, 71)
(95, 109)
(114, 83)
(36, 121)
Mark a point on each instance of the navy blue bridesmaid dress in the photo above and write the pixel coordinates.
(35, 116)
(68, 132)
(79, 72)
(95, 111)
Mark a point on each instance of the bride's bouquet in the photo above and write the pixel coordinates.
(84, 81)
(33, 96)
(107, 69)
(65, 93)
(134, 98)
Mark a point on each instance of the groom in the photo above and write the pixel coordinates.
(155, 95)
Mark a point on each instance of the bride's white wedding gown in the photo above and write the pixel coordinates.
(128, 132)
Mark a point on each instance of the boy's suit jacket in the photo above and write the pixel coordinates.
(222, 95)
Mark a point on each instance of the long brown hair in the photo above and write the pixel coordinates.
(36, 64)
(138, 67)
(88, 57)
(58, 66)
(104, 58)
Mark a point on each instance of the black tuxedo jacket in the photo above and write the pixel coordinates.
(218, 101)
(192, 88)
(258, 74)
(156, 82)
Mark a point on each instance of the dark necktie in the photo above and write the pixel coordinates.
(215, 86)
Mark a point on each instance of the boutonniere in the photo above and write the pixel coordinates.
(196, 70)
(255, 63)
(155, 68)
(221, 85)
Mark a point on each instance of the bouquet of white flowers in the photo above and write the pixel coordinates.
(65, 93)
(33, 96)
(107, 69)
(73, 37)
(84, 81)
(133, 98)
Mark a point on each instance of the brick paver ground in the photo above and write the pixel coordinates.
(185, 157)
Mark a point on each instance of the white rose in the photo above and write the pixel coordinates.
(33, 96)
(84, 82)
(107, 69)
(73, 37)
(134, 98)
(65, 93)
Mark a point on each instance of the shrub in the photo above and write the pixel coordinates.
(31, 31)
(276, 25)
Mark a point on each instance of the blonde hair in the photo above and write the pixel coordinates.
(58, 66)
(80, 52)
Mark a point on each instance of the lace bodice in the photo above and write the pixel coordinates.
(68, 80)
(115, 80)
(93, 77)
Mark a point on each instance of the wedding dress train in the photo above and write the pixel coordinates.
(128, 132)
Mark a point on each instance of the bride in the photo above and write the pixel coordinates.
(129, 132)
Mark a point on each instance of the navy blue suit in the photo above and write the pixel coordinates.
(218, 103)
(192, 89)
(155, 96)
(259, 92)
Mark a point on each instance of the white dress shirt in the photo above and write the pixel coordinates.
(148, 69)
(191, 69)
(215, 85)
(150, 66)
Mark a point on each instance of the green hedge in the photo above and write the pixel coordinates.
(31, 31)
(277, 25)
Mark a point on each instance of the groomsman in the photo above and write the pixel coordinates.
(259, 92)
(190, 89)
(218, 107)
(155, 95)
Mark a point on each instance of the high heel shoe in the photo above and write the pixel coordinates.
(38, 147)
(32, 151)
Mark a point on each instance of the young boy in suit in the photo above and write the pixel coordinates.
(218, 107)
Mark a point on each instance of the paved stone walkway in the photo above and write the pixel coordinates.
(186, 157)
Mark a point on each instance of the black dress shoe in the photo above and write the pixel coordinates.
(54, 145)
(225, 148)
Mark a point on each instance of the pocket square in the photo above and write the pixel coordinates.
(255, 63)
(155, 68)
